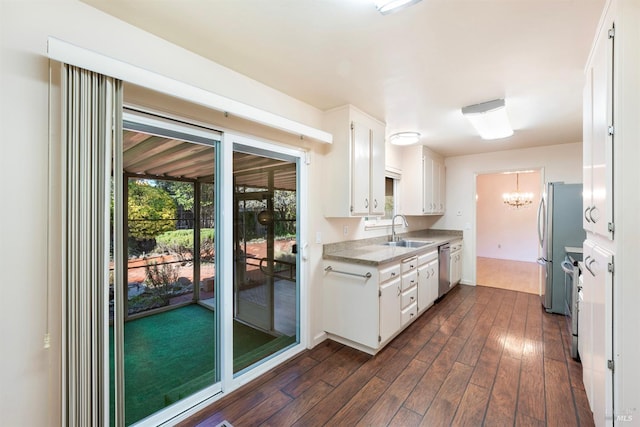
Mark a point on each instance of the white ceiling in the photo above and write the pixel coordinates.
(412, 69)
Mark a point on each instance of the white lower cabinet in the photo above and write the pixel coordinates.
(390, 304)
(427, 280)
(455, 272)
(362, 304)
(595, 330)
(366, 306)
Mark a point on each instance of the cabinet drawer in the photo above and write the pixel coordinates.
(409, 313)
(409, 264)
(425, 258)
(389, 272)
(409, 279)
(409, 296)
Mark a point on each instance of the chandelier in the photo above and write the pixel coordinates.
(517, 199)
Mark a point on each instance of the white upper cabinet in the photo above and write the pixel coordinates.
(599, 134)
(423, 182)
(354, 184)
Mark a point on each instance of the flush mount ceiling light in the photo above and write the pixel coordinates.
(489, 119)
(388, 6)
(404, 138)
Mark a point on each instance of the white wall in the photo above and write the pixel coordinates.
(504, 232)
(30, 304)
(558, 163)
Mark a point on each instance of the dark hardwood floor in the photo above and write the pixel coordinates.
(481, 356)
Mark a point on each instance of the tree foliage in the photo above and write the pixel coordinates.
(151, 210)
(181, 192)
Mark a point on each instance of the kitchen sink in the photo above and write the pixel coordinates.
(409, 243)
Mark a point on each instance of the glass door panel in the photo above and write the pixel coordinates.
(265, 256)
(170, 321)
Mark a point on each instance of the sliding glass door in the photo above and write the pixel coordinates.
(265, 253)
(196, 302)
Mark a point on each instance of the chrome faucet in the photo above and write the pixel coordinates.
(394, 238)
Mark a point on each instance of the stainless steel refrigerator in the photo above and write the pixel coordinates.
(559, 226)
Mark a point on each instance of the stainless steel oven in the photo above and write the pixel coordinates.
(571, 268)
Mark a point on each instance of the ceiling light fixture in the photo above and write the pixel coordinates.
(404, 138)
(517, 199)
(489, 119)
(388, 6)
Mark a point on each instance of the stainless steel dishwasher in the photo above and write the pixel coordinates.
(444, 260)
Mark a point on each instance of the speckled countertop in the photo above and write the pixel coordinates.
(374, 252)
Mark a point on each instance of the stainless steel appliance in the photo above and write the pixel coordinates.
(572, 287)
(444, 260)
(559, 225)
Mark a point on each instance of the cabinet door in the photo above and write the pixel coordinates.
(442, 188)
(597, 290)
(455, 267)
(433, 285)
(361, 153)
(424, 292)
(435, 186)
(389, 309)
(427, 284)
(427, 185)
(587, 136)
(598, 150)
(377, 171)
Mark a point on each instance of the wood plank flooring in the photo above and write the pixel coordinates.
(481, 356)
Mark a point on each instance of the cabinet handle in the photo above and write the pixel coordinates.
(399, 291)
(412, 298)
(587, 264)
(586, 211)
(375, 203)
(591, 214)
(393, 273)
(330, 269)
(366, 203)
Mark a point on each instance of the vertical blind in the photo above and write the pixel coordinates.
(91, 105)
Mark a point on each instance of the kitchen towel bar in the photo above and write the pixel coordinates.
(330, 269)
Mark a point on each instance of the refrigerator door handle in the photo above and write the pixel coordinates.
(541, 221)
(542, 261)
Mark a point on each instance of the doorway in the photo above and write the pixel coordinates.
(506, 240)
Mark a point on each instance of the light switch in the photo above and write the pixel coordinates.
(318, 237)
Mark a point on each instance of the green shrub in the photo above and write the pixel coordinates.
(180, 243)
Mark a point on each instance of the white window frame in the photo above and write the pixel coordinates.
(376, 223)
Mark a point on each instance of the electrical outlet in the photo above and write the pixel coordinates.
(47, 340)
